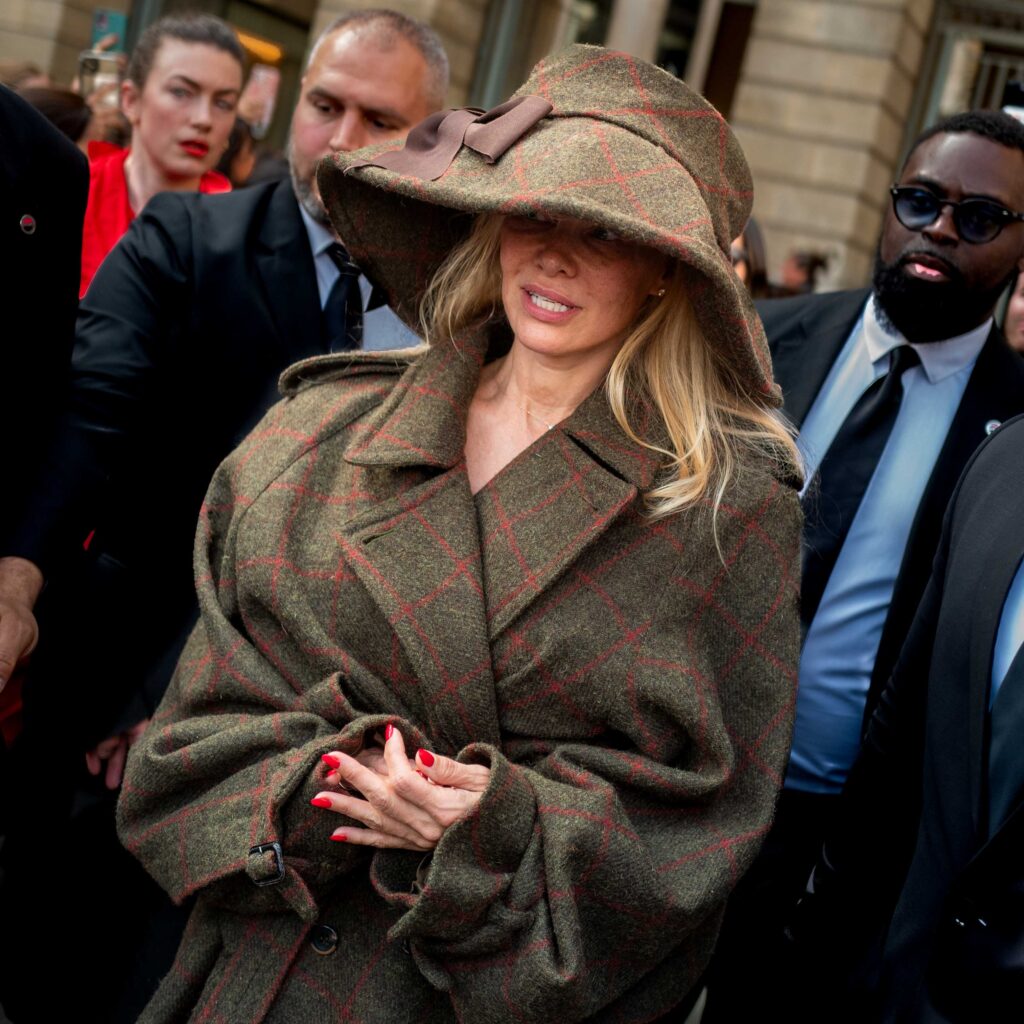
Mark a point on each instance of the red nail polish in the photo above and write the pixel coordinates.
(340, 839)
(388, 730)
(320, 801)
(334, 762)
(426, 757)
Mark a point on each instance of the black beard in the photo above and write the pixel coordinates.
(924, 311)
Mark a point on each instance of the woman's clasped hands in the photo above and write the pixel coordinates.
(403, 804)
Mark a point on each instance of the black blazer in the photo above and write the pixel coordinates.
(805, 335)
(179, 345)
(44, 185)
(912, 832)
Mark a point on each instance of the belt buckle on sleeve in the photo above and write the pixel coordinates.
(258, 851)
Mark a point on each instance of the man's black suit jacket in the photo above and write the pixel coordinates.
(179, 345)
(912, 829)
(806, 335)
(44, 184)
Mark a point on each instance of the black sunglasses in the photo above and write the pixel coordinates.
(976, 220)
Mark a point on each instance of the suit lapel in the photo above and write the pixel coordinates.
(284, 262)
(994, 392)
(996, 572)
(803, 355)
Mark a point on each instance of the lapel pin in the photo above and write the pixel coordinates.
(992, 426)
(28, 224)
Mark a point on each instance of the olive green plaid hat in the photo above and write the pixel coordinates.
(593, 134)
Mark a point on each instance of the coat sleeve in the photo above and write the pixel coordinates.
(584, 871)
(232, 757)
(124, 336)
(43, 173)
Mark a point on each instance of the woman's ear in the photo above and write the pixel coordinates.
(661, 283)
(130, 96)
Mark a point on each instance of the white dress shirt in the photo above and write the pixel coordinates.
(381, 328)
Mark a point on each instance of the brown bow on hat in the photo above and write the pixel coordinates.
(593, 134)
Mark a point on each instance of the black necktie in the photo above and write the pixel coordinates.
(1005, 751)
(833, 497)
(341, 323)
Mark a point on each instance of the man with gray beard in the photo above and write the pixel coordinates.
(179, 344)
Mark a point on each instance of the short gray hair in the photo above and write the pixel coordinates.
(385, 26)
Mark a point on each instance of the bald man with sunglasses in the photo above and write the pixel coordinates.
(892, 390)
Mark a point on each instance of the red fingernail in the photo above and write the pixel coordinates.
(425, 756)
(388, 730)
(320, 801)
(332, 760)
(340, 839)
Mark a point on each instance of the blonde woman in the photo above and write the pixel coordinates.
(492, 693)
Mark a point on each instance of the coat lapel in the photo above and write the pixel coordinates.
(418, 555)
(451, 570)
(284, 262)
(418, 552)
(557, 498)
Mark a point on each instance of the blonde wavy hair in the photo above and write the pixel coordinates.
(711, 423)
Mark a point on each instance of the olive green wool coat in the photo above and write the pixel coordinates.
(630, 686)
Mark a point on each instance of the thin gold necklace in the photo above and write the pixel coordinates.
(534, 416)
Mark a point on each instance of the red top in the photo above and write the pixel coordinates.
(108, 213)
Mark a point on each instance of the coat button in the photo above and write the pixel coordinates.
(323, 939)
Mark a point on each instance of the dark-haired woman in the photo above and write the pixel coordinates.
(491, 696)
(179, 96)
(239, 158)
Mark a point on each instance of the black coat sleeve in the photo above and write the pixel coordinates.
(128, 325)
(44, 186)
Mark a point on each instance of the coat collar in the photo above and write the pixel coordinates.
(423, 421)
(421, 555)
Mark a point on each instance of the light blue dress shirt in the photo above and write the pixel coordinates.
(1010, 635)
(381, 327)
(839, 650)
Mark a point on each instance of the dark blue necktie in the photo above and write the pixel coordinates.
(833, 497)
(341, 322)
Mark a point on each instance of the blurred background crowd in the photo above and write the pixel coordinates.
(824, 95)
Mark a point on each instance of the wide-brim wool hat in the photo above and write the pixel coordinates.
(593, 134)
